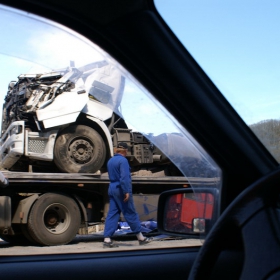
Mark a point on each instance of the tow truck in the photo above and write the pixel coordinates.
(52, 208)
(58, 131)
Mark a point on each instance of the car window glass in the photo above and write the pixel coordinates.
(52, 74)
(236, 43)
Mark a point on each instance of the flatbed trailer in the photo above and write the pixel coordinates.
(51, 208)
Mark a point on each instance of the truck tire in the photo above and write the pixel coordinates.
(28, 237)
(79, 149)
(54, 219)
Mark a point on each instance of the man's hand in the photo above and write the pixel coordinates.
(126, 197)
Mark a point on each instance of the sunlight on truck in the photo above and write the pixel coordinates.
(69, 121)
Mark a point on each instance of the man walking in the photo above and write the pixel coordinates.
(121, 200)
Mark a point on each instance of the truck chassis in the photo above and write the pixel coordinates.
(51, 208)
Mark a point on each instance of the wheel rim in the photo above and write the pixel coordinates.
(80, 150)
(56, 218)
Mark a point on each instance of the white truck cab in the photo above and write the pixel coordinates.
(67, 119)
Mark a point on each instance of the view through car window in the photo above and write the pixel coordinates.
(64, 98)
(236, 43)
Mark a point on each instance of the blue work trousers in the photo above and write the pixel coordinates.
(118, 206)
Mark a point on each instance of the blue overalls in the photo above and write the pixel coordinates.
(120, 183)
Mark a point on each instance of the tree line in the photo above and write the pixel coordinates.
(268, 132)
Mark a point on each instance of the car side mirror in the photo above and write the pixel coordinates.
(187, 211)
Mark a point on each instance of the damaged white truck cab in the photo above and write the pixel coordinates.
(69, 120)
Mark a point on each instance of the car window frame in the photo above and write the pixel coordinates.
(194, 124)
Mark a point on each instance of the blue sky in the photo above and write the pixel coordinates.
(237, 43)
(29, 45)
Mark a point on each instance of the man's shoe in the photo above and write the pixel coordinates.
(109, 245)
(145, 241)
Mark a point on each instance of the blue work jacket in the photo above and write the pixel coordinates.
(119, 173)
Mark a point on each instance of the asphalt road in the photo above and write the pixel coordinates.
(94, 243)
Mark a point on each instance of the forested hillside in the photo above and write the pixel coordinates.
(268, 132)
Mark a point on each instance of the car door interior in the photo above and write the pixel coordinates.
(244, 243)
(134, 34)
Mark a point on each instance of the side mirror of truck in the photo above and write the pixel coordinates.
(183, 212)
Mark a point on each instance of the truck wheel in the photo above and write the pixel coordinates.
(79, 149)
(54, 219)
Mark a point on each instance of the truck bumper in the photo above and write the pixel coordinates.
(12, 145)
(17, 141)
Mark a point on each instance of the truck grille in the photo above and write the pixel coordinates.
(36, 145)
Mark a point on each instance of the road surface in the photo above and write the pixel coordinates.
(94, 243)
